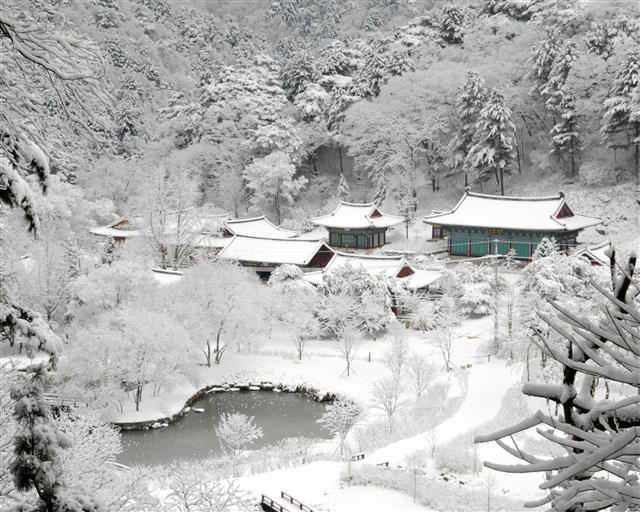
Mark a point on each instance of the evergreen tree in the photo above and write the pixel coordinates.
(37, 449)
(565, 138)
(547, 247)
(111, 252)
(343, 192)
(552, 91)
(451, 30)
(493, 150)
(621, 125)
(470, 101)
(297, 73)
(543, 55)
(380, 182)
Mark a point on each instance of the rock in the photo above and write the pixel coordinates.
(244, 387)
(197, 409)
(254, 388)
(164, 425)
(234, 389)
(218, 390)
(187, 409)
(267, 386)
(277, 390)
(157, 424)
(601, 231)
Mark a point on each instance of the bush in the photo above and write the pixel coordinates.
(433, 493)
(458, 456)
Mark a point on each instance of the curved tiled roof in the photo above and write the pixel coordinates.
(357, 216)
(550, 213)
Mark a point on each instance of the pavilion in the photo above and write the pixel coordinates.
(119, 230)
(392, 267)
(357, 225)
(264, 254)
(482, 224)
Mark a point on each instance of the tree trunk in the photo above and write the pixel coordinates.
(340, 158)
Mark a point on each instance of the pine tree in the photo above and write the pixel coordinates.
(565, 138)
(552, 92)
(380, 182)
(451, 30)
(37, 448)
(621, 125)
(343, 192)
(470, 101)
(543, 55)
(297, 73)
(111, 252)
(493, 150)
(547, 247)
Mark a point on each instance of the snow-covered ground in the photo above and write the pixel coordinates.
(318, 484)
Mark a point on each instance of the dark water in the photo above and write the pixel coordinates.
(280, 415)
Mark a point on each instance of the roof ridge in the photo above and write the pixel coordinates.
(369, 256)
(248, 219)
(293, 239)
(350, 203)
(515, 198)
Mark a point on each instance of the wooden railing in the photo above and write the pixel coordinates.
(357, 456)
(294, 501)
(270, 505)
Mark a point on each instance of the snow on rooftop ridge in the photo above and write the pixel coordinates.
(550, 213)
(277, 251)
(258, 227)
(560, 195)
(356, 215)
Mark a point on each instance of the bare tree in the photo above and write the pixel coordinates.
(173, 219)
(387, 396)
(340, 417)
(446, 320)
(198, 491)
(599, 434)
(415, 466)
(235, 432)
(349, 339)
(396, 356)
(421, 373)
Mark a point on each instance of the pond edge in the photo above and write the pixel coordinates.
(311, 392)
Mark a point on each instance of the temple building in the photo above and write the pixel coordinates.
(118, 230)
(264, 254)
(357, 225)
(393, 267)
(482, 224)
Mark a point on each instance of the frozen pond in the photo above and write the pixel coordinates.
(280, 415)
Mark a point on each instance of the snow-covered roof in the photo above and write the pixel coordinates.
(212, 242)
(387, 265)
(518, 213)
(258, 227)
(120, 228)
(357, 216)
(596, 253)
(276, 251)
(391, 266)
(421, 279)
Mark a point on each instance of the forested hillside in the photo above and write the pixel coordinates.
(242, 105)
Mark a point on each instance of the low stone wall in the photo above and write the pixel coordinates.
(222, 388)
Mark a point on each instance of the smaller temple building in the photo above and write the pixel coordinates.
(118, 230)
(482, 224)
(263, 255)
(357, 225)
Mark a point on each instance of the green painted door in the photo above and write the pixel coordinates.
(458, 243)
(520, 245)
(503, 247)
(479, 244)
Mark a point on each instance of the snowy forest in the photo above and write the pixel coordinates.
(193, 318)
